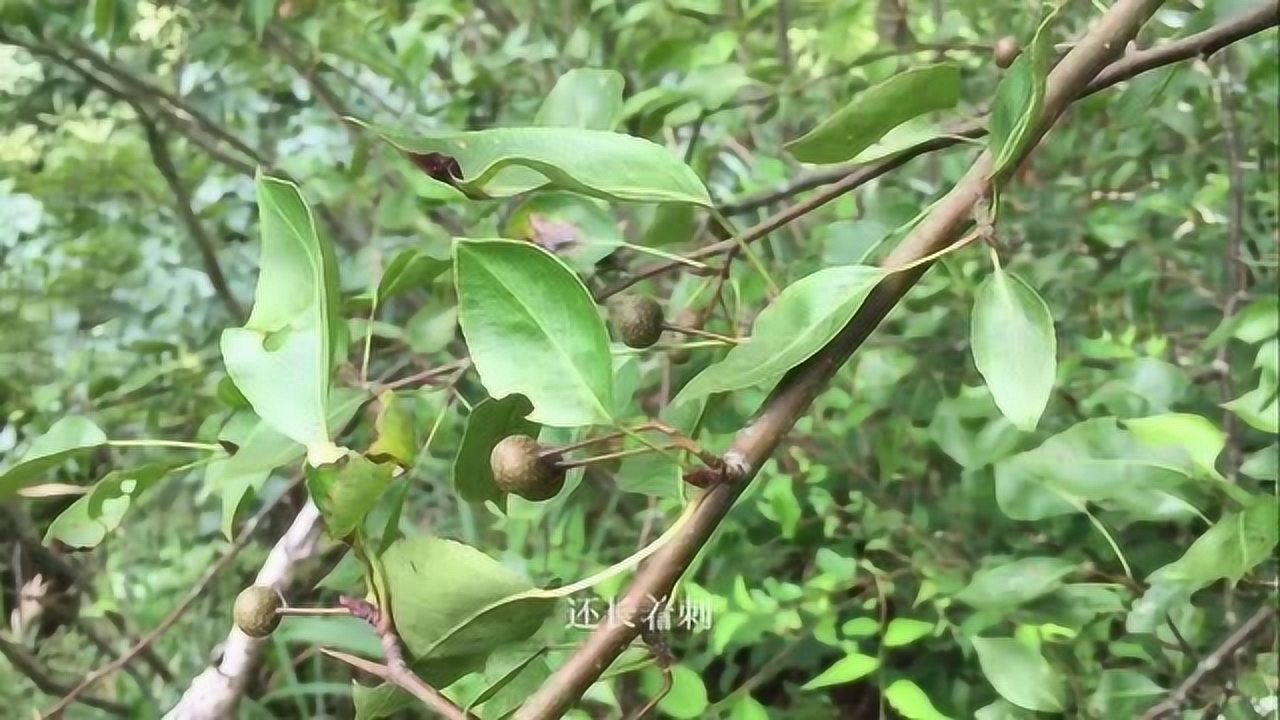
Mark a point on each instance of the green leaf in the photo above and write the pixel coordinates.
(451, 600)
(1124, 693)
(845, 670)
(910, 134)
(1228, 550)
(502, 162)
(396, 435)
(91, 517)
(911, 702)
(292, 330)
(411, 269)
(1019, 100)
(65, 439)
(346, 491)
(533, 329)
(515, 673)
(386, 699)
(877, 110)
(1020, 674)
(1094, 461)
(260, 13)
(431, 329)
(904, 631)
(488, 423)
(259, 450)
(1014, 346)
(347, 634)
(860, 627)
(1264, 464)
(803, 318)
(1196, 435)
(583, 98)
(578, 230)
(1015, 583)
(687, 698)
(1259, 407)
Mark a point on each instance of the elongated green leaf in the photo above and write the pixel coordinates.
(100, 511)
(533, 329)
(488, 423)
(877, 110)
(1098, 462)
(845, 670)
(1020, 674)
(904, 631)
(514, 673)
(803, 318)
(397, 435)
(583, 98)
(346, 491)
(1228, 550)
(440, 591)
(66, 438)
(1196, 435)
(411, 269)
(1014, 346)
(607, 165)
(1014, 583)
(911, 702)
(1019, 100)
(292, 330)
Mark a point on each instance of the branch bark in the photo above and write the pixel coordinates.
(1212, 662)
(791, 399)
(214, 693)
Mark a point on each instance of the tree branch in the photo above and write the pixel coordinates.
(182, 203)
(1174, 701)
(242, 540)
(214, 693)
(792, 397)
(1201, 44)
(27, 664)
(394, 670)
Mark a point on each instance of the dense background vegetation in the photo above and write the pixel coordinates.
(909, 550)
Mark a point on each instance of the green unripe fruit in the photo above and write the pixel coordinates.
(255, 611)
(1005, 51)
(637, 320)
(519, 468)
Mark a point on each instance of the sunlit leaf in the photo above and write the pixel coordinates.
(533, 329)
(1014, 346)
(845, 670)
(1020, 674)
(803, 318)
(292, 331)
(583, 98)
(65, 439)
(875, 111)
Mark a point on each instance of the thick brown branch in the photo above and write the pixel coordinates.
(791, 399)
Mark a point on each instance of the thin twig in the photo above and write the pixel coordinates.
(395, 669)
(241, 541)
(27, 664)
(1236, 640)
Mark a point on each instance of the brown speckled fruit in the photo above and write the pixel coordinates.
(1005, 51)
(255, 611)
(518, 468)
(637, 320)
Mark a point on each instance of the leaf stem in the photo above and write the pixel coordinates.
(698, 332)
(746, 250)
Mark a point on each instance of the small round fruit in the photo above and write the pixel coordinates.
(518, 468)
(1005, 51)
(255, 611)
(637, 319)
